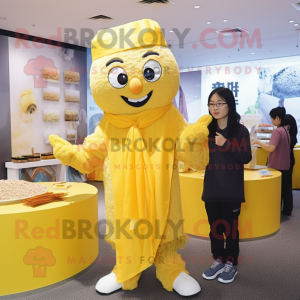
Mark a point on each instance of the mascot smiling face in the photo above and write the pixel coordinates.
(129, 81)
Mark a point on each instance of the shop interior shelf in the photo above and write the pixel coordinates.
(40, 163)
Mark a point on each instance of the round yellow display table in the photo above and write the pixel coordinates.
(260, 214)
(262, 156)
(44, 245)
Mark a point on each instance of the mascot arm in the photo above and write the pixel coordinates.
(86, 157)
(192, 143)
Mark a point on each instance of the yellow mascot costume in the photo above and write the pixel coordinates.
(142, 136)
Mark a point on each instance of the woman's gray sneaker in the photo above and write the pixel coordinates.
(216, 268)
(228, 274)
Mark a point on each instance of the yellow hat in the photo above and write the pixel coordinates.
(139, 34)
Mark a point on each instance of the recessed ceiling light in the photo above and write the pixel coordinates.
(296, 24)
(3, 18)
(225, 20)
(171, 31)
(208, 22)
(252, 53)
(291, 21)
(196, 6)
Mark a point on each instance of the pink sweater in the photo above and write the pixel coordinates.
(280, 158)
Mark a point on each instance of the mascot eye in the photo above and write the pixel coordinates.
(152, 71)
(117, 77)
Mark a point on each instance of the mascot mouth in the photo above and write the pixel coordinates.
(137, 102)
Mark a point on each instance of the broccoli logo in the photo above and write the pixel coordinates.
(43, 70)
(39, 258)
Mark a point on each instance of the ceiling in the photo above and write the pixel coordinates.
(269, 17)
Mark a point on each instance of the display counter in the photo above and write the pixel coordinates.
(262, 156)
(260, 214)
(14, 168)
(44, 245)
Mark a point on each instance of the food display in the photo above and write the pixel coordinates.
(265, 125)
(264, 132)
(265, 128)
(72, 96)
(50, 111)
(264, 136)
(19, 159)
(72, 141)
(51, 94)
(71, 115)
(19, 189)
(45, 198)
(72, 77)
(71, 135)
(51, 115)
(33, 157)
(51, 74)
(47, 156)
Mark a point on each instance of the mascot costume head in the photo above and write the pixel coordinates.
(142, 136)
(139, 69)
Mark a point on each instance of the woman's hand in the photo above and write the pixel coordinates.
(255, 141)
(220, 140)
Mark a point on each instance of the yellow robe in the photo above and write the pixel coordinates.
(134, 252)
(86, 157)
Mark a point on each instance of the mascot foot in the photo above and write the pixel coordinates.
(185, 285)
(108, 284)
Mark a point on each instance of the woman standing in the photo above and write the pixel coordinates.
(290, 123)
(223, 193)
(279, 157)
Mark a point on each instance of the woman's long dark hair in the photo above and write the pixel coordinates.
(290, 121)
(278, 112)
(233, 117)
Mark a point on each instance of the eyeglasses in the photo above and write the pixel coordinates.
(211, 105)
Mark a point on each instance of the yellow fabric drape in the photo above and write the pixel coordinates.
(139, 187)
(141, 154)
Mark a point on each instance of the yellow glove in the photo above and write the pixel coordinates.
(86, 157)
(192, 146)
(62, 149)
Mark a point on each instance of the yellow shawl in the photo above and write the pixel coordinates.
(141, 156)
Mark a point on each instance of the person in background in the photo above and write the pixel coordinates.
(290, 124)
(279, 157)
(223, 192)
